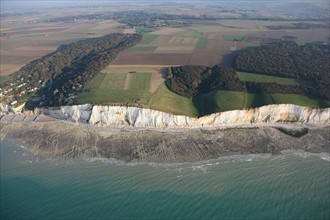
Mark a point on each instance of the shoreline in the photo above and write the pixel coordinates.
(130, 133)
(63, 139)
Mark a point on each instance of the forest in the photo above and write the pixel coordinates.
(286, 59)
(57, 76)
(190, 80)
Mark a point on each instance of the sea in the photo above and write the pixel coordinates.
(293, 185)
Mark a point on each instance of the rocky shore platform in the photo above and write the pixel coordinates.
(57, 138)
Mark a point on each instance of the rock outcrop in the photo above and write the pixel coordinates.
(140, 117)
(60, 139)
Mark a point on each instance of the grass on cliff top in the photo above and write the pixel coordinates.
(108, 88)
(253, 77)
(167, 101)
(230, 100)
(218, 101)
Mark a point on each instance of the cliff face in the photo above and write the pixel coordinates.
(140, 117)
(76, 113)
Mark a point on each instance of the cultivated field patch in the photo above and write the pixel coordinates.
(105, 89)
(23, 42)
(183, 40)
(177, 49)
(170, 31)
(193, 33)
(157, 73)
(142, 49)
(6, 69)
(140, 81)
(149, 38)
(136, 58)
(113, 81)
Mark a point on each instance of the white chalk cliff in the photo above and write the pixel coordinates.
(140, 117)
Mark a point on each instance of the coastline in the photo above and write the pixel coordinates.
(135, 134)
(61, 139)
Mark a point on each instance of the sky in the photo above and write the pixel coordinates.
(5, 4)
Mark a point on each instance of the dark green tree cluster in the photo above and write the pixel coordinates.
(300, 25)
(189, 81)
(286, 58)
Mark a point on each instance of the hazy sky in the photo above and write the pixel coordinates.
(5, 4)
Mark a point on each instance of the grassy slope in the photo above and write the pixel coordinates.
(280, 80)
(234, 37)
(149, 38)
(140, 81)
(219, 101)
(108, 88)
(230, 100)
(167, 101)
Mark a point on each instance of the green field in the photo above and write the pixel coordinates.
(167, 101)
(140, 81)
(108, 88)
(217, 101)
(300, 100)
(194, 33)
(202, 43)
(234, 37)
(258, 100)
(149, 38)
(253, 77)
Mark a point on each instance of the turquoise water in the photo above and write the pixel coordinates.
(295, 185)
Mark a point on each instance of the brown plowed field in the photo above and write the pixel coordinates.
(151, 59)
